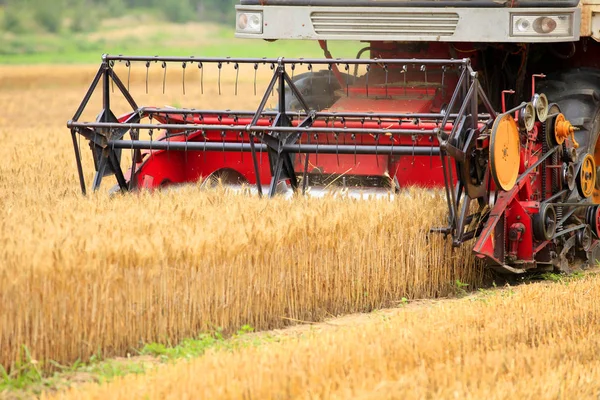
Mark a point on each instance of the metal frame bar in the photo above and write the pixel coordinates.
(248, 128)
(286, 61)
(317, 114)
(285, 148)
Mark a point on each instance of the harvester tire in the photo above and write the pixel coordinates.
(577, 93)
(318, 89)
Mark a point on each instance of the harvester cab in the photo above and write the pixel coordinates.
(423, 103)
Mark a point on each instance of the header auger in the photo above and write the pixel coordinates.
(515, 185)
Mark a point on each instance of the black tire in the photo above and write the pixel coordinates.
(317, 88)
(577, 92)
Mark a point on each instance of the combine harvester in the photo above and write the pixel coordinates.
(521, 184)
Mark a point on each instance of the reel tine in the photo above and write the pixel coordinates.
(111, 65)
(183, 66)
(404, 72)
(377, 140)
(431, 152)
(220, 66)
(204, 151)
(133, 160)
(255, 71)
(237, 76)
(414, 140)
(242, 147)
(185, 136)
(330, 68)
(167, 134)
(223, 141)
(317, 151)
(385, 68)
(272, 90)
(150, 132)
(185, 152)
(128, 65)
(347, 69)
(443, 76)
(260, 150)
(147, 73)
(293, 68)
(164, 66)
(201, 68)
(310, 68)
(424, 70)
(377, 148)
(353, 137)
(337, 145)
(368, 70)
(305, 172)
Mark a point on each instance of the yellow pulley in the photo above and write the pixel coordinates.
(564, 129)
(586, 179)
(505, 152)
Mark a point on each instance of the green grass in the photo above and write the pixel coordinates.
(210, 41)
(26, 379)
(89, 53)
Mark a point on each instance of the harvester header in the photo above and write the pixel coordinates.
(450, 96)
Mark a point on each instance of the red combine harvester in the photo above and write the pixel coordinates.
(427, 108)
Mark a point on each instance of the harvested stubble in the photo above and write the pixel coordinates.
(536, 342)
(82, 275)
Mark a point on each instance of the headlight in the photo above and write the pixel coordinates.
(545, 25)
(249, 22)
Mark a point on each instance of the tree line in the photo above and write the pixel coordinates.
(54, 16)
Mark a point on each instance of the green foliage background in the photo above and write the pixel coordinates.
(20, 16)
(80, 31)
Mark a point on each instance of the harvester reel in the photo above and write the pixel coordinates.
(586, 178)
(515, 230)
(544, 223)
(505, 152)
(540, 103)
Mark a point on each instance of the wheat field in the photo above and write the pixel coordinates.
(99, 274)
(536, 341)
